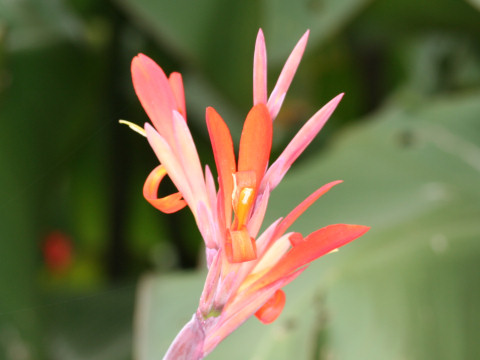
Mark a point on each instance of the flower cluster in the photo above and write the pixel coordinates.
(246, 271)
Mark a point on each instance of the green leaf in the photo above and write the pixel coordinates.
(31, 24)
(164, 305)
(218, 37)
(96, 326)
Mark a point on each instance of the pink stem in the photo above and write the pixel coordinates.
(188, 345)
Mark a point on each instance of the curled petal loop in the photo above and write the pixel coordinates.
(167, 204)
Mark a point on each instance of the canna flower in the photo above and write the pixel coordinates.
(246, 271)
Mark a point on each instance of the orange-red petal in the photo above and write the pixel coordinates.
(256, 142)
(270, 311)
(176, 83)
(315, 245)
(154, 92)
(223, 152)
(239, 246)
(168, 204)
(295, 239)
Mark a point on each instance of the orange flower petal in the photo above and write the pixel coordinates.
(295, 239)
(256, 142)
(223, 152)
(168, 204)
(270, 311)
(315, 245)
(239, 246)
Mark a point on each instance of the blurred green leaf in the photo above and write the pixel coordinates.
(475, 3)
(409, 288)
(47, 107)
(96, 326)
(202, 33)
(164, 305)
(398, 18)
(32, 23)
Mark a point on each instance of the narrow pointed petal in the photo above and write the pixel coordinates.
(206, 225)
(176, 84)
(314, 246)
(188, 156)
(286, 76)
(153, 90)
(304, 205)
(265, 238)
(256, 142)
(256, 220)
(299, 143)
(223, 152)
(260, 71)
(171, 163)
(168, 204)
(211, 191)
(211, 286)
(272, 309)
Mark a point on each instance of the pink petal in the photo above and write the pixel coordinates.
(260, 71)
(298, 144)
(286, 76)
(169, 160)
(300, 209)
(255, 222)
(211, 191)
(155, 94)
(176, 84)
(206, 225)
(187, 154)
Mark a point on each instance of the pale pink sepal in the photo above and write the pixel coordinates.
(206, 225)
(260, 70)
(211, 284)
(256, 220)
(171, 163)
(188, 155)
(286, 76)
(298, 144)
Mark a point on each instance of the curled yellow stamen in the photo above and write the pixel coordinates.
(134, 127)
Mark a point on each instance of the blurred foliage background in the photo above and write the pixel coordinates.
(77, 238)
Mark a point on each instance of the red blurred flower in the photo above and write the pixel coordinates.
(57, 251)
